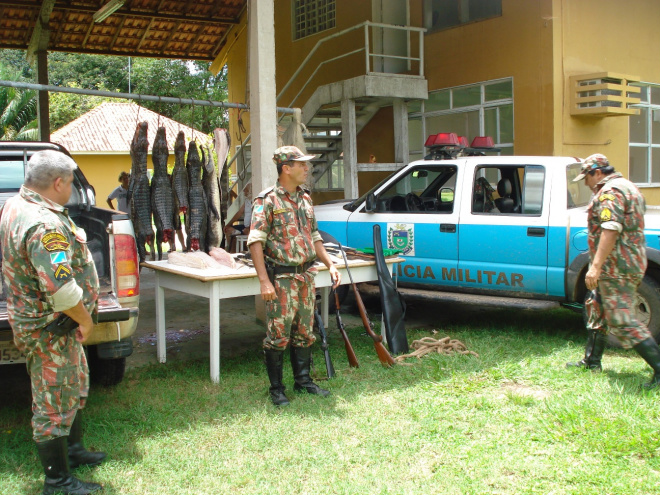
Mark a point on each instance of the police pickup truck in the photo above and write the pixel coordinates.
(111, 240)
(511, 226)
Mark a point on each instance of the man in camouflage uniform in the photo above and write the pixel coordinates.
(618, 261)
(284, 235)
(50, 275)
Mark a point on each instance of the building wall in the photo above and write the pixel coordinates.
(596, 36)
(538, 43)
(102, 171)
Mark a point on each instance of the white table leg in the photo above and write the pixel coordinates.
(161, 338)
(214, 322)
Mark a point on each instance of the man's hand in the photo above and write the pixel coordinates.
(267, 291)
(591, 279)
(83, 332)
(335, 276)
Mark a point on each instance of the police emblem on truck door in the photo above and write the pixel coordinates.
(401, 236)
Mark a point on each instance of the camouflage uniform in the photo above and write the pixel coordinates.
(286, 226)
(42, 251)
(618, 205)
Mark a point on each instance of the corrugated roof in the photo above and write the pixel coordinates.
(110, 128)
(183, 29)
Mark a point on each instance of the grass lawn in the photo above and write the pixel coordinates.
(512, 421)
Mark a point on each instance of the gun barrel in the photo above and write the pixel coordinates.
(350, 353)
(383, 355)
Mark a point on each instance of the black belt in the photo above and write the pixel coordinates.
(297, 269)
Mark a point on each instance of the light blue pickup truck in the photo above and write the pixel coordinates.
(511, 226)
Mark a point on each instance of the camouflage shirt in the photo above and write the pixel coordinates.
(285, 225)
(618, 205)
(42, 251)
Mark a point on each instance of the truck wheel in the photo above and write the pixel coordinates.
(648, 309)
(105, 372)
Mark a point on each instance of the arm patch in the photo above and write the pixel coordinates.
(54, 241)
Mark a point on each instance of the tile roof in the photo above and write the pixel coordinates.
(110, 127)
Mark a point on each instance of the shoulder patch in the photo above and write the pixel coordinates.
(263, 193)
(54, 241)
(58, 257)
(258, 208)
(606, 196)
(62, 273)
(606, 215)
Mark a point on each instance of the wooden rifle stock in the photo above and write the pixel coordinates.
(350, 353)
(383, 355)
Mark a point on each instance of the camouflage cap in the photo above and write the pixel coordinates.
(592, 162)
(287, 154)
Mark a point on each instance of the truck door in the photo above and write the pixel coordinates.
(417, 214)
(503, 240)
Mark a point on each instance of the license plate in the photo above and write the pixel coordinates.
(9, 354)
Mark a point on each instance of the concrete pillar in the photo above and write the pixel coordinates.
(349, 148)
(400, 131)
(263, 113)
(43, 111)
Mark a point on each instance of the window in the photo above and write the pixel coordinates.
(312, 16)
(484, 109)
(443, 14)
(332, 178)
(578, 192)
(12, 175)
(420, 190)
(644, 145)
(509, 189)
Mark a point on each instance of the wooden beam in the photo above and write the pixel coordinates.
(41, 31)
(43, 111)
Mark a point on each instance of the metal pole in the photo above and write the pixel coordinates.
(131, 96)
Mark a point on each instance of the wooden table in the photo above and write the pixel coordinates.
(216, 284)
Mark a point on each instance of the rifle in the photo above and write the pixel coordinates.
(384, 356)
(352, 358)
(324, 342)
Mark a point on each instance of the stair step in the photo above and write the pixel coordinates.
(325, 126)
(320, 149)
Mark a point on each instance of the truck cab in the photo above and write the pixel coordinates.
(513, 226)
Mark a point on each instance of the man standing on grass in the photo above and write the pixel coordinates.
(284, 235)
(52, 288)
(618, 261)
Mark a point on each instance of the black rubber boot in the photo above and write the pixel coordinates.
(274, 365)
(301, 358)
(593, 352)
(55, 461)
(650, 351)
(78, 454)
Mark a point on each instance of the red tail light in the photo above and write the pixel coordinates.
(127, 274)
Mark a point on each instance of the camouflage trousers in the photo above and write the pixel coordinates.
(291, 314)
(613, 312)
(60, 384)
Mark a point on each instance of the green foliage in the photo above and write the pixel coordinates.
(513, 420)
(18, 109)
(158, 77)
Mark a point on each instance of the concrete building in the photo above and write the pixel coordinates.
(542, 77)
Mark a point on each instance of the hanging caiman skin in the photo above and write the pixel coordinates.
(180, 175)
(196, 219)
(140, 192)
(162, 197)
(221, 143)
(212, 190)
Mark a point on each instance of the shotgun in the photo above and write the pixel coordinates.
(350, 353)
(324, 342)
(384, 356)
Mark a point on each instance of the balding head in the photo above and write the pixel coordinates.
(44, 167)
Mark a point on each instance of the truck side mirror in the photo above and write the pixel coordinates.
(370, 203)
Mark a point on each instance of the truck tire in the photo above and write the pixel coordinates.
(648, 309)
(105, 372)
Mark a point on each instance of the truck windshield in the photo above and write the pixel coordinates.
(578, 193)
(12, 175)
